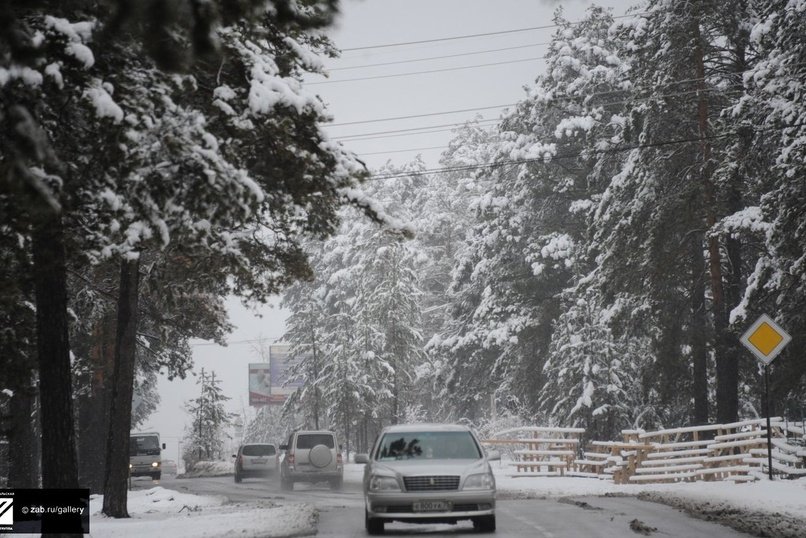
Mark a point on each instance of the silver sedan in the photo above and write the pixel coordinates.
(428, 473)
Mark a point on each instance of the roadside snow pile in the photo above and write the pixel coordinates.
(534, 487)
(210, 468)
(158, 499)
(761, 508)
(162, 512)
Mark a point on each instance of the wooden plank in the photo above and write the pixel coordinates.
(535, 440)
(668, 469)
(741, 435)
(544, 452)
(678, 453)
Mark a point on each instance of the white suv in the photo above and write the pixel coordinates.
(255, 459)
(311, 456)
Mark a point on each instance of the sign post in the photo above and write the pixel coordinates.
(765, 339)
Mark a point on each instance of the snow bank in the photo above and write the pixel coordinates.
(774, 508)
(163, 512)
(761, 508)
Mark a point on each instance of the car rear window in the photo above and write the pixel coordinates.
(427, 446)
(310, 440)
(258, 450)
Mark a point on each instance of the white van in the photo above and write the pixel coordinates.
(145, 455)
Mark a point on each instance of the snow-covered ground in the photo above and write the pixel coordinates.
(162, 512)
(787, 496)
(775, 508)
(763, 508)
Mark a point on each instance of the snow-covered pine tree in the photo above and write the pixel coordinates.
(773, 115)
(594, 379)
(209, 419)
(532, 221)
(650, 224)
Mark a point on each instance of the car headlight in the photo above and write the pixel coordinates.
(479, 481)
(383, 483)
(155, 464)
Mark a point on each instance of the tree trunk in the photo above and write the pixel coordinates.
(59, 461)
(727, 369)
(120, 416)
(23, 470)
(94, 408)
(697, 330)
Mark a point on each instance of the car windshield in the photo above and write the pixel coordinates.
(428, 445)
(310, 440)
(258, 450)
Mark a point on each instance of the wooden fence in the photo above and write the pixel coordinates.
(736, 452)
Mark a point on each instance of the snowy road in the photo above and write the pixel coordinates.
(341, 513)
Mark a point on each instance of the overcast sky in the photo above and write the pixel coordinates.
(374, 28)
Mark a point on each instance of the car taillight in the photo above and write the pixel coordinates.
(339, 459)
(290, 459)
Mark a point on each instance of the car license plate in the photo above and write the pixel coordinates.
(259, 460)
(431, 506)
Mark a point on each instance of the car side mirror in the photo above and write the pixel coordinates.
(283, 447)
(234, 456)
(341, 447)
(362, 458)
(493, 455)
(163, 446)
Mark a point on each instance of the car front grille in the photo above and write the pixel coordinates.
(431, 483)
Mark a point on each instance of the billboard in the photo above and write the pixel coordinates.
(259, 384)
(268, 381)
(280, 360)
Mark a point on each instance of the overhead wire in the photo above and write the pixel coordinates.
(500, 164)
(429, 71)
(447, 56)
(356, 137)
(415, 131)
(270, 339)
(420, 115)
(469, 36)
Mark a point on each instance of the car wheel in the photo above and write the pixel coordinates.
(337, 484)
(156, 476)
(373, 524)
(484, 523)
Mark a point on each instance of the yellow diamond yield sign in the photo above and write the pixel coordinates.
(765, 339)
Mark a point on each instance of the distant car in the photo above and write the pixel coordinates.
(311, 456)
(428, 473)
(255, 459)
(169, 467)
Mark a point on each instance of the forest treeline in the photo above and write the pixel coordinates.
(593, 258)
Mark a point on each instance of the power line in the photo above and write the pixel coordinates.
(499, 164)
(557, 98)
(452, 38)
(238, 342)
(419, 115)
(401, 151)
(438, 57)
(444, 70)
(418, 131)
(470, 36)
